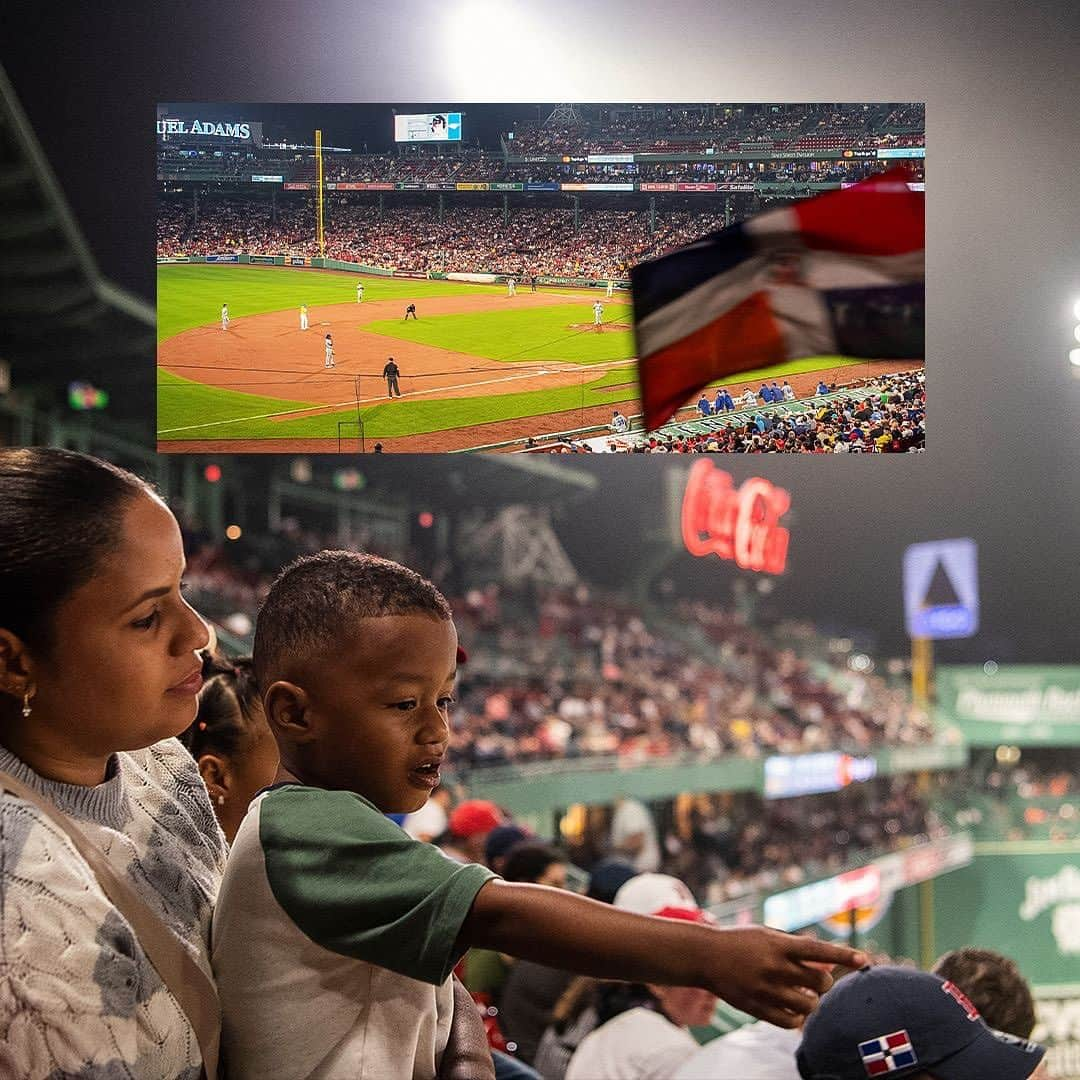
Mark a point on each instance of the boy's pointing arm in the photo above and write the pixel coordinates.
(761, 971)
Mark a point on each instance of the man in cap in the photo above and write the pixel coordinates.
(907, 1025)
(471, 822)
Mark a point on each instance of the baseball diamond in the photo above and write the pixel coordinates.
(473, 372)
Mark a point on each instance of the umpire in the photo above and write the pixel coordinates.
(390, 374)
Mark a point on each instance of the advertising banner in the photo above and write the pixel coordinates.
(1028, 908)
(258, 178)
(471, 187)
(609, 159)
(409, 185)
(186, 128)
(542, 187)
(735, 187)
(695, 187)
(500, 186)
(868, 886)
(296, 260)
(941, 588)
(295, 186)
(860, 153)
(659, 187)
(902, 152)
(267, 260)
(597, 187)
(1022, 705)
(809, 774)
(221, 258)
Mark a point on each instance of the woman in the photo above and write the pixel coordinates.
(230, 740)
(99, 669)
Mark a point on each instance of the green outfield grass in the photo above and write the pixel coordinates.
(191, 295)
(542, 333)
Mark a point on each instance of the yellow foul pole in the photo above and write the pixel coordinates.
(321, 234)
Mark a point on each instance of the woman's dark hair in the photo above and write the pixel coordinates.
(528, 859)
(229, 707)
(60, 515)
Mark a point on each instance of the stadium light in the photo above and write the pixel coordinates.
(1076, 309)
(1074, 357)
(475, 41)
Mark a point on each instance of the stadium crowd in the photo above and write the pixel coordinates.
(582, 674)
(412, 238)
(656, 128)
(885, 415)
(1034, 798)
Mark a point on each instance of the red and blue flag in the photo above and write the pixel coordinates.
(887, 1053)
(839, 274)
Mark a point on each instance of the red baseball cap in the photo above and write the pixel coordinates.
(688, 914)
(474, 816)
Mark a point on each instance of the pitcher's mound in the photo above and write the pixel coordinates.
(603, 328)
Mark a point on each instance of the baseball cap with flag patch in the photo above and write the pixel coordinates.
(896, 1022)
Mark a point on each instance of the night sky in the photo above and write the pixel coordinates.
(1003, 243)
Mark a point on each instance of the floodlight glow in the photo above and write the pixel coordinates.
(1076, 309)
(1074, 357)
(1076, 332)
(498, 42)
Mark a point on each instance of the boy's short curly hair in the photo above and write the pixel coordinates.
(315, 600)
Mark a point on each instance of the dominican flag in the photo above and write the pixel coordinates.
(839, 274)
(887, 1053)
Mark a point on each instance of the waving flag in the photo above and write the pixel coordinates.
(842, 273)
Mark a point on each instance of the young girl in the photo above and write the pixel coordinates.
(230, 740)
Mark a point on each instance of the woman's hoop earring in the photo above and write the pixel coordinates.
(26, 709)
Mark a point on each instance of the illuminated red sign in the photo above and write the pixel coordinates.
(742, 524)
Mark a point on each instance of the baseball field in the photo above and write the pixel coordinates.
(477, 367)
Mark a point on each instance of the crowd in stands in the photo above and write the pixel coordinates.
(1034, 798)
(735, 847)
(654, 129)
(467, 239)
(593, 678)
(580, 674)
(883, 415)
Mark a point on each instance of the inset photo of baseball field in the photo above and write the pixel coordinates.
(439, 278)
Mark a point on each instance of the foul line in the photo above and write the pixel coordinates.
(315, 409)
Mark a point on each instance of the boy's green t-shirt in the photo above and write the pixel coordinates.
(334, 937)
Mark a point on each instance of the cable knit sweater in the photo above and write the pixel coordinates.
(78, 997)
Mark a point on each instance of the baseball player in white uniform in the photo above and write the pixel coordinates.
(511, 287)
(303, 317)
(329, 352)
(598, 313)
(224, 316)
(610, 288)
(359, 292)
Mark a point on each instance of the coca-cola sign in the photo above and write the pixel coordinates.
(741, 524)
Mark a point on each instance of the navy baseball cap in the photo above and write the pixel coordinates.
(896, 1022)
